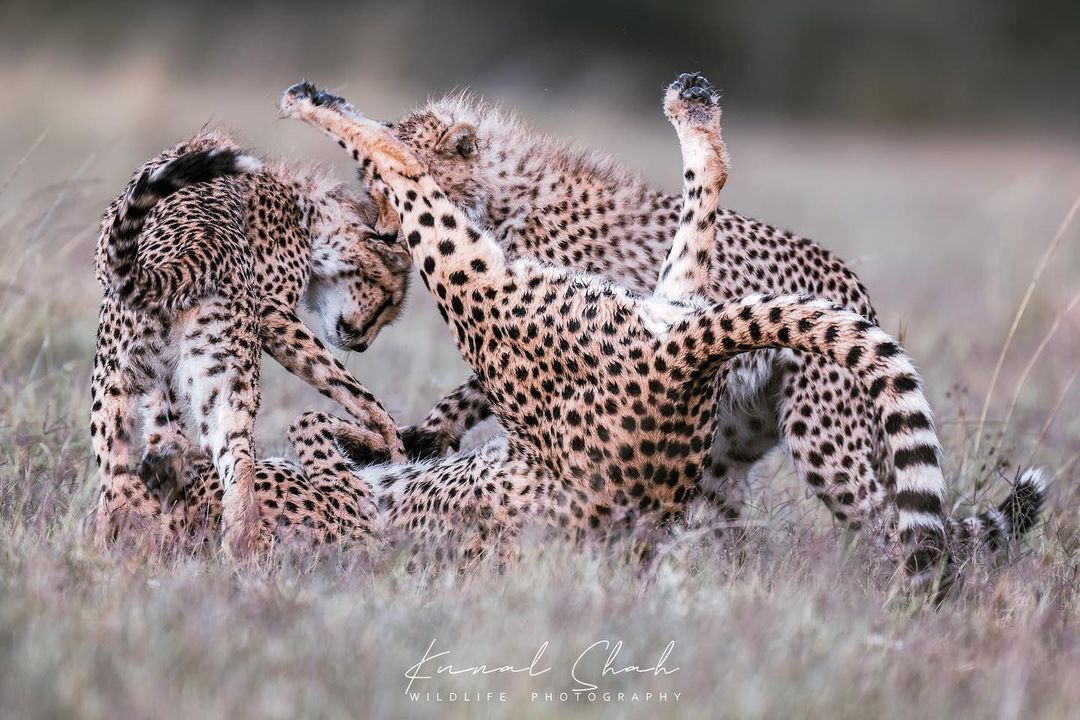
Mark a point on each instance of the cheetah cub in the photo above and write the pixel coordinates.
(204, 260)
(541, 198)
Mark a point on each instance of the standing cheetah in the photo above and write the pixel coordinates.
(541, 198)
(608, 397)
(204, 259)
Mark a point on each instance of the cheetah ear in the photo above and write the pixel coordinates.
(387, 221)
(459, 139)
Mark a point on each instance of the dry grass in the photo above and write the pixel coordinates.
(796, 622)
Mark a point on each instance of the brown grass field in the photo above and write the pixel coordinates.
(947, 230)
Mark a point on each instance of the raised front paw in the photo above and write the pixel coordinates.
(692, 98)
(361, 446)
(421, 444)
(361, 136)
(305, 93)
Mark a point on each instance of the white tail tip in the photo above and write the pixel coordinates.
(248, 164)
(1036, 478)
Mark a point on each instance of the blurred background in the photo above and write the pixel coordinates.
(935, 146)
(986, 63)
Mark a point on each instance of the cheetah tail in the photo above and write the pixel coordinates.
(892, 384)
(1011, 520)
(122, 274)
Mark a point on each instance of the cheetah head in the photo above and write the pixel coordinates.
(359, 272)
(445, 137)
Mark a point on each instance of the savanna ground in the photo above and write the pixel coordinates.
(947, 231)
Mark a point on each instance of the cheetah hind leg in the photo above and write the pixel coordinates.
(128, 510)
(746, 431)
(162, 464)
(223, 396)
(827, 422)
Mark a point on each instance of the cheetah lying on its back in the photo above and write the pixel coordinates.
(542, 199)
(608, 397)
(204, 259)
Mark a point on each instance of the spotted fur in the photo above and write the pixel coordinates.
(204, 260)
(608, 397)
(544, 199)
(616, 432)
(142, 285)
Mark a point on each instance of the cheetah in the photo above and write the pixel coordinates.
(204, 259)
(542, 198)
(608, 396)
(341, 489)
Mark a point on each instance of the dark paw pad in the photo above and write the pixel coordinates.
(305, 90)
(301, 90)
(325, 98)
(421, 444)
(696, 87)
(362, 454)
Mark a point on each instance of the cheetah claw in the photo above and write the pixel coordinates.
(306, 90)
(362, 136)
(695, 86)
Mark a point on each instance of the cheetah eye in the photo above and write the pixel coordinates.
(388, 238)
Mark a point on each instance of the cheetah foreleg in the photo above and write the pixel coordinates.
(451, 251)
(337, 119)
(444, 427)
(692, 106)
(292, 344)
